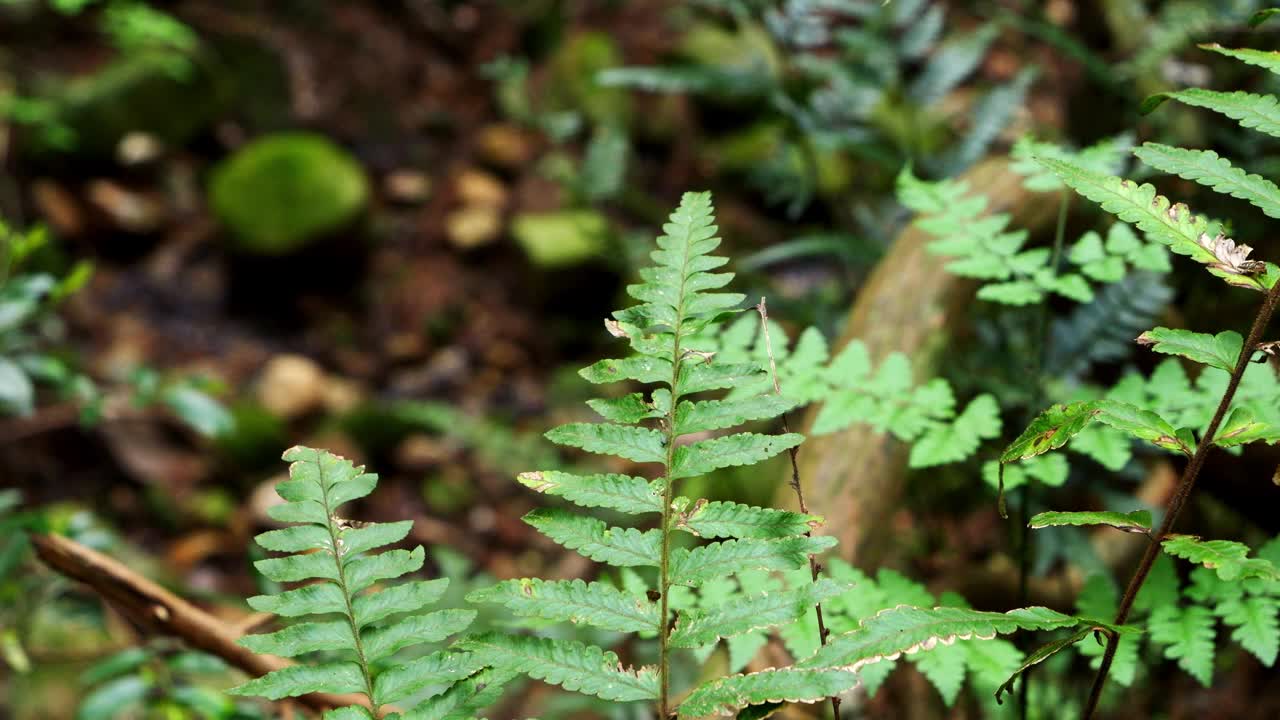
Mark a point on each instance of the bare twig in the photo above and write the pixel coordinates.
(814, 567)
(1179, 500)
(157, 610)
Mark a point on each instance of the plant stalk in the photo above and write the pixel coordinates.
(1179, 499)
(814, 568)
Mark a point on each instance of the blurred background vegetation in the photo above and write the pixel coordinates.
(391, 230)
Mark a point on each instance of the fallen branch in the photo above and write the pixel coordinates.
(159, 611)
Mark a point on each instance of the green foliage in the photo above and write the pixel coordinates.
(1137, 521)
(984, 248)
(1228, 558)
(854, 390)
(158, 681)
(279, 193)
(366, 626)
(679, 306)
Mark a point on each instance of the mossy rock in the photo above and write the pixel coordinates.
(573, 79)
(281, 192)
(561, 238)
(162, 93)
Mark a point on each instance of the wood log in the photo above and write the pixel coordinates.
(908, 304)
(157, 610)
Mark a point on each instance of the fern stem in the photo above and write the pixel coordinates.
(1183, 492)
(346, 594)
(668, 497)
(815, 569)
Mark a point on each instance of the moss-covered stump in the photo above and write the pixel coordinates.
(282, 192)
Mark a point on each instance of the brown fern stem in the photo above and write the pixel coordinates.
(1183, 492)
(815, 569)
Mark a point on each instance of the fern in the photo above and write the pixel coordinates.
(365, 626)
(678, 305)
(855, 391)
(982, 247)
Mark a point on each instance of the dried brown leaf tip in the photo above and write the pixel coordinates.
(1231, 257)
(1271, 347)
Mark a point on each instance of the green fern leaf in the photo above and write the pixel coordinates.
(628, 409)
(1175, 226)
(1057, 425)
(1138, 521)
(336, 553)
(582, 668)
(623, 493)
(721, 519)
(1242, 428)
(1188, 634)
(693, 567)
(633, 443)
(640, 369)
(906, 629)
(1254, 625)
(944, 667)
(407, 679)
(1259, 112)
(1210, 170)
(296, 680)
(464, 700)
(724, 697)
(1220, 351)
(706, 456)
(958, 439)
(1230, 559)
(351, 712)
(596, 604)
(1039, 655)
(692, 417)
(700, 626)
(621, 547)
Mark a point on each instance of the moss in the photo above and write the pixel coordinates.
(281, 192)
(561, 238)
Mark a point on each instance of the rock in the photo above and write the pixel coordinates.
(138, 148)
(58, 206)
(476, 187)
(561, 238)
(291, 386)
(418, 451)
(129, 210)
(281, 192)
(505, 146)
(409, 187)
(473, 226)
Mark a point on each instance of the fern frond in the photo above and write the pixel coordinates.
(1188, 634)
(573, 665)
(1255, 623)
(592, 538)
(707, 624)
(670, 332)
(369, 626)
(722, 519)
(1258, 112)
(1174, 225)
(693, 567)
(1137, 521)
(1208, 169)
(1220, 351)
(1230, 559)
(724, 697)
(623, 493)
(907, 630)
(596, 604)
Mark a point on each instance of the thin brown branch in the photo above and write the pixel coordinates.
(159, 611)
(814, 568)
(1185, 486)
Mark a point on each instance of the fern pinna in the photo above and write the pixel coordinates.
(677, 305)
(1235, 421)
(362, 626)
